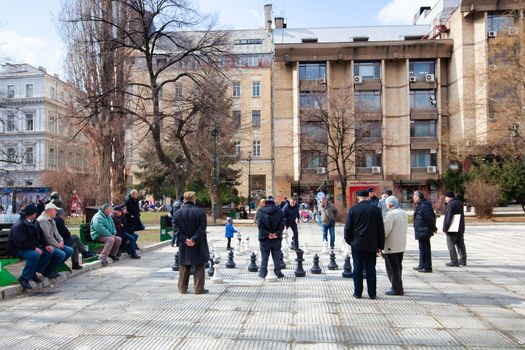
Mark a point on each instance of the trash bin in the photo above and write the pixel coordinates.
(165, 228)
(233, 214)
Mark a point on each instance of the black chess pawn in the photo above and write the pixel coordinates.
(283, 264)
(253, 264)
(347, 273)
(175, 266)
(230, 264)
(211, 270)
(332, 265)
(316, 269)
(299, 271)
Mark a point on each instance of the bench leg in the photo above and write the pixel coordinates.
(6, 278)
(63, 268)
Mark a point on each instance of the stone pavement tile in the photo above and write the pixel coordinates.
(91, 315)
(268, 306)
(108, 304)
(266, 331)
(413, 321)
(33, 304)
(365, 320)
(319, 346)
(75, 328)
(42, 342)
(224, 304)
(427, 337)
(447, 310)
(358, 307)
(167, 329)
(471, 337)
(72, 304)
(49, 315)
(369, 335)
(451, 322)
(8, 342)
(94, 342)
(221, 317)
(20, 328)
(317, 307)
(318, 333)
(401, 309)
(215, 331)
(91, 294)
(117, 327)
(156, 343)
(505, 323)
(493, 311)
(202, 344)
(13, 315)
(314, 318)
(518, 337)
(262, 317)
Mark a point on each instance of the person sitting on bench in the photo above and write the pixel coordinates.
(118, 216)
(103, 230)
(72, 241)
(28, 242)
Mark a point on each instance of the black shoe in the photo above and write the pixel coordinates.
(416, 268)
(76, 266)
(462, 263)
(118, 254)
(262, 276)
(372, 297)
(113, 257)
(425, 271)
(135, 256)
(280, 275)
(24, 283)
(204, 291)
(452, 264)
(137, 248)
(51, 275)
(356, 296)
(36, 278)
(394, 292)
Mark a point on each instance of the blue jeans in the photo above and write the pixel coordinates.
(332, 234)
(364, 260)
(132, 237)
(34, 262)
(66, 252)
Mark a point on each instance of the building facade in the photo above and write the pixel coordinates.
(34, 135)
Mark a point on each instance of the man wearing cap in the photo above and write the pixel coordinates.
(47, 223)
(384, 195)
(118, 217)
(26, 241)
(365, 233)
(102, 229)
(373, 198)
(455, 239)
(424, 228)
(396, 225)
(190, 224)
(270, 221)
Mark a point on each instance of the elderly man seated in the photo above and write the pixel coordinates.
(47, 223)
(103, 230)
(28, 242)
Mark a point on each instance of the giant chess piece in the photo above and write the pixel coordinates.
(271, 277)
(283, 264)
(332, 265)
(247, 244)
(286, 255)
(347, 273)
(305, 248)
(316, 269)
(348, 250)
(253, 264)
(299, 271)
(175, 266)
(285, 239)
(211, 270)
(230, 264)
(325, 248)
(217, 278)
(239, 239)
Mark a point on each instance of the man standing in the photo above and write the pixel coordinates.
(365, 232)
(176, 206)
(396, 225)
(328, 213)
(373, 198)
(133, 214)
(424, 228)
(270, 221)
(292, 216)
(382, 204)
(455, 236)
(190, 224)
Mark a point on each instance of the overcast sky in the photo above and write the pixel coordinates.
(28, 27)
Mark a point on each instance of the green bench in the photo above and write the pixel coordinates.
(165, 228)
(89, 243)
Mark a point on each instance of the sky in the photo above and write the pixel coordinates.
(28, 28)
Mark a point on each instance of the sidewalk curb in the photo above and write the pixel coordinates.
(15, 290)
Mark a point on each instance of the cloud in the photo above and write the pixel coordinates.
(401, 11)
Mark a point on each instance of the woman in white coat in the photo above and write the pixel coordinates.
(396, 225)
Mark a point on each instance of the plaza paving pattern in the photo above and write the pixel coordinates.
(135, 304)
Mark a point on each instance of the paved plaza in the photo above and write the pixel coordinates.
(135, 304)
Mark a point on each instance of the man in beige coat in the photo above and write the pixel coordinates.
(396, 225)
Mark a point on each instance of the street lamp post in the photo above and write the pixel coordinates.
(215, 172)
(249, 183)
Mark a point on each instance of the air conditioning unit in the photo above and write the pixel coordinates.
(492, 34)
(321, 171)
(430, 78)
(376, 170)
(412, 78)
(492, 67)
(358, 79)
(431, 169)
(322, 81)
(512, 31)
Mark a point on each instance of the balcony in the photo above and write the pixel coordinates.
(318, 85)
(423, 142)
(423, 174)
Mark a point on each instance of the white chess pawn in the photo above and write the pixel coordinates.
(285, 239)
(286, 255)
(217, 278)
(247, 244)
(325, 248)
(271, 277)
(305, 248)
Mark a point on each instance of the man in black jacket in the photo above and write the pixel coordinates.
(176, 206)
(455, 238)
(292, 216)
(424, 228)
(190, 223)
(72, 241)
(270, 221)
(28, 242)
(133, 214)
(365, 232)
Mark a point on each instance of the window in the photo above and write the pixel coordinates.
(367, 70)
(236, 115)
(247, 42)
(422, 99)
(309, 100)
(52, 93)
(61, 158)
(247, 61)
(368, 159)
(237, 148)
(29, 122)
(423, 158)
(256, 88)
(70, 160)
(257, 184)
(51, 161)
(237, 89)
(368, 100)
(11, 156)
(52, 124)
(28, 156)
(256, 148)
(313, 160)
(29, 90)
(10, 91)
(423, 128)
(29, 182)
(499, 21)
(256, 119)
(312, 71)
(368, 130)
(420, 69)
(61, 96)
(10, 122)
(178, 90)
(314, 131)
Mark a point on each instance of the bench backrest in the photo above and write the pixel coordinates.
(3, 242)
(85, 232)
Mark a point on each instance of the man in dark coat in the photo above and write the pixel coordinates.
(424, 228)
(176, 206)
(190, 223)
(365, 232)
(133, 214)
(72, 241)
(373, 198)
(292, 216)
(28, 242)
(270, 220)
(455, 238)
